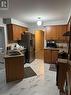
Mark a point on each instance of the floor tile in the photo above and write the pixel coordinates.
(42, 84)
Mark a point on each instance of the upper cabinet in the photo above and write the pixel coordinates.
(60, 31)
(14, 32)
(56, 32)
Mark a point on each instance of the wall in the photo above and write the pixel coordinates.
(14, 21)
(55, 22)
(2, 38)
(69, 15)
(17, 22)
(34, 26)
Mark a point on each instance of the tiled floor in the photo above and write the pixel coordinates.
(42, 84)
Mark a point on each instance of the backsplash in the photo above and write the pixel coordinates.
(59, 44)
(14, 46)
(62, 45)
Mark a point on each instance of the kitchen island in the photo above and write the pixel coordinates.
(14, 66)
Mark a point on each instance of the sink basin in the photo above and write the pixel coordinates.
(13, 53)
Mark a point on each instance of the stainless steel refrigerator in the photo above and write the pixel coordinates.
(28, 41)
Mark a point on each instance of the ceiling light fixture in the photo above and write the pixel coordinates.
(39, 22)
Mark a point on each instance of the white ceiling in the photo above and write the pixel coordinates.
(29, 10)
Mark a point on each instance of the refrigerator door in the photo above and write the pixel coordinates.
(28, 41)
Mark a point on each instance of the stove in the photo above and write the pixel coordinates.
(63, 55)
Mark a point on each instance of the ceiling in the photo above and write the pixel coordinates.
(29, 10)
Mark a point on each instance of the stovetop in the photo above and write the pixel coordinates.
(63, 55)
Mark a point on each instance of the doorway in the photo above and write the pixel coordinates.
(2, 49)
(2, 44)
(2, 39)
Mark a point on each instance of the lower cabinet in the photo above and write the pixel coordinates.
(14, 67)
(47, 56)
(54, 56)
(50, 56)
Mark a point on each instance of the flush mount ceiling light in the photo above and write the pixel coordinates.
(39, 22)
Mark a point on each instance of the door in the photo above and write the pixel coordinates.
(2, 47)
(2, 38)
(39, 44)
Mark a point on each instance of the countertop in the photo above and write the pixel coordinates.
(57, 49)
(7, 55)
(64, 61)
(51, 48)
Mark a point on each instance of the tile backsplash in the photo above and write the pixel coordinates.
(62, 45)
(59, 44)
(13, 46)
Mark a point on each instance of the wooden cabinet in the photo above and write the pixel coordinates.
(47, 56)
(14, 67)
(50, 56)
(61, 75)
(51, 33)
(54, 56)
(61, 30)
(39, 43)
(14, 32)
(56, 32)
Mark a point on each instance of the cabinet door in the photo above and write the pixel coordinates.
(54, 56)
(51, 33)
(48, 34)
(10, 32)
(14, 67)
(56, 33)
(61, 30)
(16, 32)
(47, 56)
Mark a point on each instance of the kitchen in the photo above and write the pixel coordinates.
(39, 50)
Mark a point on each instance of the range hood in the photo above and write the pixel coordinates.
(68, 33)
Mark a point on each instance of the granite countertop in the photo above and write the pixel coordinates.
(8, 54)
(64, 61)
(57, 49)
(52, 48)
